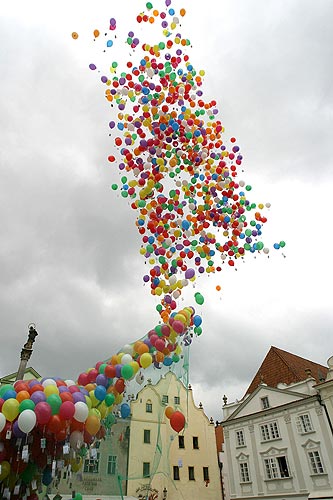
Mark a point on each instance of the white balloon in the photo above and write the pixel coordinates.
(76, 439)
(126, 359)
(81, 411)
(2, 421)
(49, 381)
(26, 421)
(69, 382)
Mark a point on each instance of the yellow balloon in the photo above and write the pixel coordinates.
(5, 468)
(10, 409)
(50, 389)
(76, 464)
(135, 366)
(145, 360)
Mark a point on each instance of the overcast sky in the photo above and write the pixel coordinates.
(69, 253)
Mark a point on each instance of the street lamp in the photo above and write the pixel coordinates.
(165, 493)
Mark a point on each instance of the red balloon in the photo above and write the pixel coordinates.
(66, 396)
(55, 424)
(43, 412)
(177, 421)
(120, 385)
(110, 371)
(67, 410)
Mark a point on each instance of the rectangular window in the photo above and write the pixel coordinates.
(244, 472)
(146, 436)
(276, 467)
(240, 438)
(269, 431)
(112, 465)
(191, 473)
(205, 471)
(264, 403)
(146, 469)
(91, 465)
(315, 462)
(165, 399)
(195, 443)
(181, 441)
(177, 400)
(149, 408)
(176, 473)
(303, 423)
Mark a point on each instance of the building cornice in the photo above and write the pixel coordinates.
(269, 411)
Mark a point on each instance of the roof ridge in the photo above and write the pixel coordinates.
(278, 352)
(297, 356)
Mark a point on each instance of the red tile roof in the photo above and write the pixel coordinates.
(282, 366)
(219, 437)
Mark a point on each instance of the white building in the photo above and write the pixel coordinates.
(278, 438)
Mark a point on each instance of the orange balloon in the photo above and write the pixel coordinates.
(96, 33)
(75, 35)
(169, 411)
(92, 425)
(20, 396)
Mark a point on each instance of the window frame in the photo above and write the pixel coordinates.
(191, 474)
(176, 473)
(265, 402)
(244, 472)
(145, 465)
(181, 442)
(205, 472)
(269, 431)
(315, 463)
(146, 436)
(195, 442)
(113, 464)
(240, 438)
(176, 400)
(149, 406)
(165, 399)
(304, 423)
(92, 462)
(273, 468)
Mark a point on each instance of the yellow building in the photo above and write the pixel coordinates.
(163, 464)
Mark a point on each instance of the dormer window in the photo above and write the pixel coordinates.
(264, 402)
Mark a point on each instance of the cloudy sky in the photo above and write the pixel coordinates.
(69, 253)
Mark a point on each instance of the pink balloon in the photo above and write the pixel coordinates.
(67, 410)
(43, 412)
(178, 326)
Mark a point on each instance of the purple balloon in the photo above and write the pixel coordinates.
(17, 431)
(78, 396)
(63, 388)
(189, 273)
(118, 370)
(101, 379)
(38, 397)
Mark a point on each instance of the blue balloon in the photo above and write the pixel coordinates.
(197, 320)
(125, 410)
(100, 392)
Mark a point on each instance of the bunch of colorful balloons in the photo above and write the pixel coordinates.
(44, 421)
(176, 166)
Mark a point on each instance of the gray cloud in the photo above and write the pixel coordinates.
(69, 253)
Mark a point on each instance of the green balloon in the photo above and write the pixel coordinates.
(78, 496)
(26, 404)
(110, 420)
(109, 399)
(127, 372)
(29, 473)
(55, 402)
(199, 298)
(5, 388)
